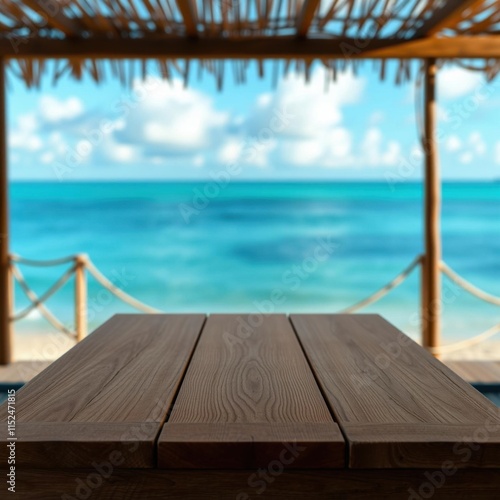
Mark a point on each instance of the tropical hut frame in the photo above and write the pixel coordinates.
(82, 34)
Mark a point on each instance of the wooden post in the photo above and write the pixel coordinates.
(431, 308)
(80, 298)
(5, 325)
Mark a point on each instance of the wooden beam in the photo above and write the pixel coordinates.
(446, 17)
(306, 16)
(431, 312)
(53, 16)
(188, 11)
(5, 326)
(259, 48)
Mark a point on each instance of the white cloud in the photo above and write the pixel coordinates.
(264, 100)
(302, 110)
(258, 154)
(199, 161)
(328, 149)
(306, 152)
(466, 157)
(392, 155)
(171, 119)
(374, 152)
(123, 153)
(54, 110)
(307, 119)
(452, 143)
(47, 157)
(25, 134)
(470, 148)
(230, 151)
(163, 123)
(57, 143)
(340, 142)
(454, 82)
(477, 143)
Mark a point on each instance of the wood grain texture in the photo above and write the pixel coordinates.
(339, 484)
(242, 375)
(372, 374)
(242, 446)
(78, 444)
(127, 372)
(423, 445)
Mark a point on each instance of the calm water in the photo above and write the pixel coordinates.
(254, 238)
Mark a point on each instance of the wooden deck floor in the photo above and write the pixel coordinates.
(481, 372)
(21, 371)
(478, 372)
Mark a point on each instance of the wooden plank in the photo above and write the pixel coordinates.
(385, 392)
(126, 373)
(66, 445)
(447, 17)
(105, 482)
(249, 398)
(306, 16)
(255, 48)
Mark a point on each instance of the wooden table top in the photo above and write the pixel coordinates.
(239, 391)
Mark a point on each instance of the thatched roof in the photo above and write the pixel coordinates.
(83, 33)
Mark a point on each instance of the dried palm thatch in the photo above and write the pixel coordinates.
(83, 34)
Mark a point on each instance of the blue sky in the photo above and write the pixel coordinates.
(359, 129)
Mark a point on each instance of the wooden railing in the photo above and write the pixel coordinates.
(80, 266)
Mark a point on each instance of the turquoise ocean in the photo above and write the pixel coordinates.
(291, 247)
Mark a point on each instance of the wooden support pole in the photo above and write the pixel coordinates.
(5, 288)
(80, 298)
(423, 301)
(431, 310)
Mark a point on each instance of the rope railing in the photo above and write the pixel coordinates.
(463, 344)
(43, 263)
(118, 292)
(33, 297)
(478, 293)
(46, 296)
(39, 302)
(469, 287)
(382, 292)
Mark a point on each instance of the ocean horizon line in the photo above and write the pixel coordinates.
(247, 181)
